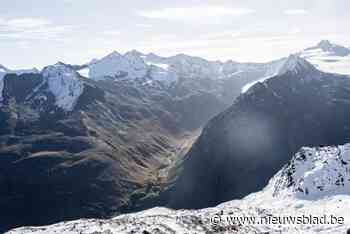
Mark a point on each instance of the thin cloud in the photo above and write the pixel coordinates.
(111, 33)
(32, 29)
(296, 12)
(27, 23)
(195, 13)
(144, 25)
(224, 34)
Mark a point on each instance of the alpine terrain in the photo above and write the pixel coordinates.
(97, 142)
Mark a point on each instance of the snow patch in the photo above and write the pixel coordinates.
(161, 65)
(84, 72)
(64, 84)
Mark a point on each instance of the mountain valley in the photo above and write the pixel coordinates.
(134, 131)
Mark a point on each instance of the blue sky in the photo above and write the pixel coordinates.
(41, 32)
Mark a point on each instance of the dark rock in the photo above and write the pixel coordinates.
(240, 149)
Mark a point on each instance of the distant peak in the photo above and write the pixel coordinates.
(59, 63)
(56, 68)
(333, 49)
(133, 53)
(182, 55)
(113, 54)
(325, 44)
(296, 64)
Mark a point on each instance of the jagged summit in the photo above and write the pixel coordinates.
(294, 63)
(329, 57)
(113, 55)
(325, 44)
(115, 64)
(134, 53)
(58, 67)
(331, 48)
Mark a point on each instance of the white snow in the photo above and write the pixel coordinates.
(317, 173)
(137, 65)
(161, 65)
(325, 56)
(129, 65)
(281, 198)
(293, 63)
(84, 72)
(64, 84)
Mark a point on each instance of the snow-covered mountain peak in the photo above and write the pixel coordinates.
(58, 68)
(130, 65)
(134, 53)
(114, 54)
(331, 48)
(325, 45)
(135, 59)
(295, 64)
(329, 57)
(64, 84)
(315, 173)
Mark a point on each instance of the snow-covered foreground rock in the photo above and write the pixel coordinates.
(309, 195)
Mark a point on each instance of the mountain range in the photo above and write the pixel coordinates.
(133, 131)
